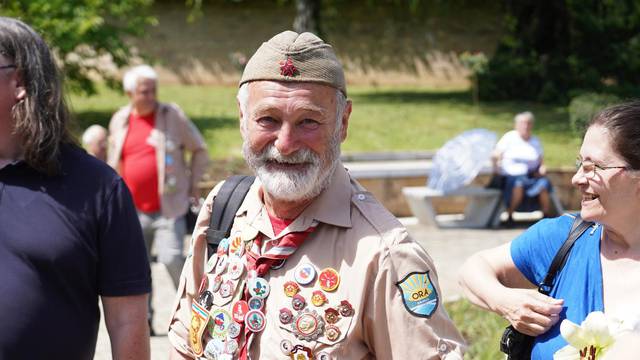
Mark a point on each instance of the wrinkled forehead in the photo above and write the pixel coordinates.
(317, 97)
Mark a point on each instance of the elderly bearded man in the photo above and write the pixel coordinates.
(315, 266)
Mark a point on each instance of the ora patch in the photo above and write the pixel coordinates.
(419, 296)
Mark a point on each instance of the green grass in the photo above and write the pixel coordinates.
(383, 119)
(481, 329)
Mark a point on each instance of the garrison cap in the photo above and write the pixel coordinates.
(293, 57)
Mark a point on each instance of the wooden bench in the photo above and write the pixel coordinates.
(479, 212)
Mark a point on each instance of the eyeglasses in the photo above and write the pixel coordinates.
(10, 66)
(589, 169)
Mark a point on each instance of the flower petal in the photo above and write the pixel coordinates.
(575, 335)
(567, 353)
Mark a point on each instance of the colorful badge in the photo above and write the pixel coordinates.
(214, 348)
(304, 274)
(419, 295)
(345, 309)
(235, 246)
(199, 319)
(223, 246)
(298, 302)
(211, 264)
(215, 284)
(235, 267)
(219, 323)
(286, 346)
(286, 316)
(231, 346)
(239, 311)
(255, 303)
(287, 68)
(259, 287)
(226, 289)
(332, 332)
(234, 330)
(331, 315)
(291, 288)
(255, 321)
(318, 298)
(221, 266)
(307, 325)
(300, 352)
(329, 279)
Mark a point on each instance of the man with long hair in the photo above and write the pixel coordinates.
(69, 234)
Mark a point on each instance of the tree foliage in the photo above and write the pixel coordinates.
(555, 49)
(86, 35)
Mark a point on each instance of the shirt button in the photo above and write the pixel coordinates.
(361, 197)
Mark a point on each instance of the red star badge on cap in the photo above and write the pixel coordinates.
(287, 68)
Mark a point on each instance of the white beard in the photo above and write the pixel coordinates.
(295, 184)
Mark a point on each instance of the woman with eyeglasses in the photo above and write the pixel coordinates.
(602, 270)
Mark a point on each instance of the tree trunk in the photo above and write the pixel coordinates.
(307, 16)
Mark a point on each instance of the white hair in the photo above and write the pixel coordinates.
(524, 116)
(92, 133)
(131, 77)
(243, 101)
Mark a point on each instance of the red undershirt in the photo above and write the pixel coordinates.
(139, 167)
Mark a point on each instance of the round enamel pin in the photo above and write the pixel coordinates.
(286, 316)
(259, 287)
(255, 321)
(332, 332)
(214, 348)
(255, 303)
(239, 311)
(286, 346)
(226, 289)
(323, 356)
(318, 298)
(223, 246)
(236, 247)
(219, 323)
(298, 302)
(291, 288)
(329, 279)
(231, 346)
(215, 284)
(345, 309)
(234, 330)
(304, 274)
(221, 266)
(211, 264)
(307, 325)
(235, 267)
(331, 315)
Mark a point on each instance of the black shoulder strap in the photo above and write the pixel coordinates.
(225, 206)
(577, 229)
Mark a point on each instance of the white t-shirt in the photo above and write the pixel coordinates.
(519, 156)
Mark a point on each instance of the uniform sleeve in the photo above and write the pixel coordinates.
(123, 267)
(190, 279)
(405, 317)
(533, 251)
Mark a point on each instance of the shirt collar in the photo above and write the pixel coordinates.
(332, 206)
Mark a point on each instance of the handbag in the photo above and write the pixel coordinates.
(517, 345)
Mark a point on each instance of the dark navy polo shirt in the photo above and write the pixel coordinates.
(64, 241)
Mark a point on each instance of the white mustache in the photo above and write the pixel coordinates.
(302, 156)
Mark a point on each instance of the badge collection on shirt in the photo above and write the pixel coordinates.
(308, 319)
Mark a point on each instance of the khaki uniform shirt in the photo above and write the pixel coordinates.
(173, 133)
(371, 251)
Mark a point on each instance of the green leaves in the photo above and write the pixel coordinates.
(87, 36)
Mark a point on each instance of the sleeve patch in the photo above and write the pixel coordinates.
(419, 296)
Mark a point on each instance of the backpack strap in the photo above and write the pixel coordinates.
(577, 229)
(225, 205)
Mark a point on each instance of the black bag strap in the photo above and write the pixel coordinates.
(226, 204)
(577, 229)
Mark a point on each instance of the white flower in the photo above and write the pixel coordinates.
(590, 340)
